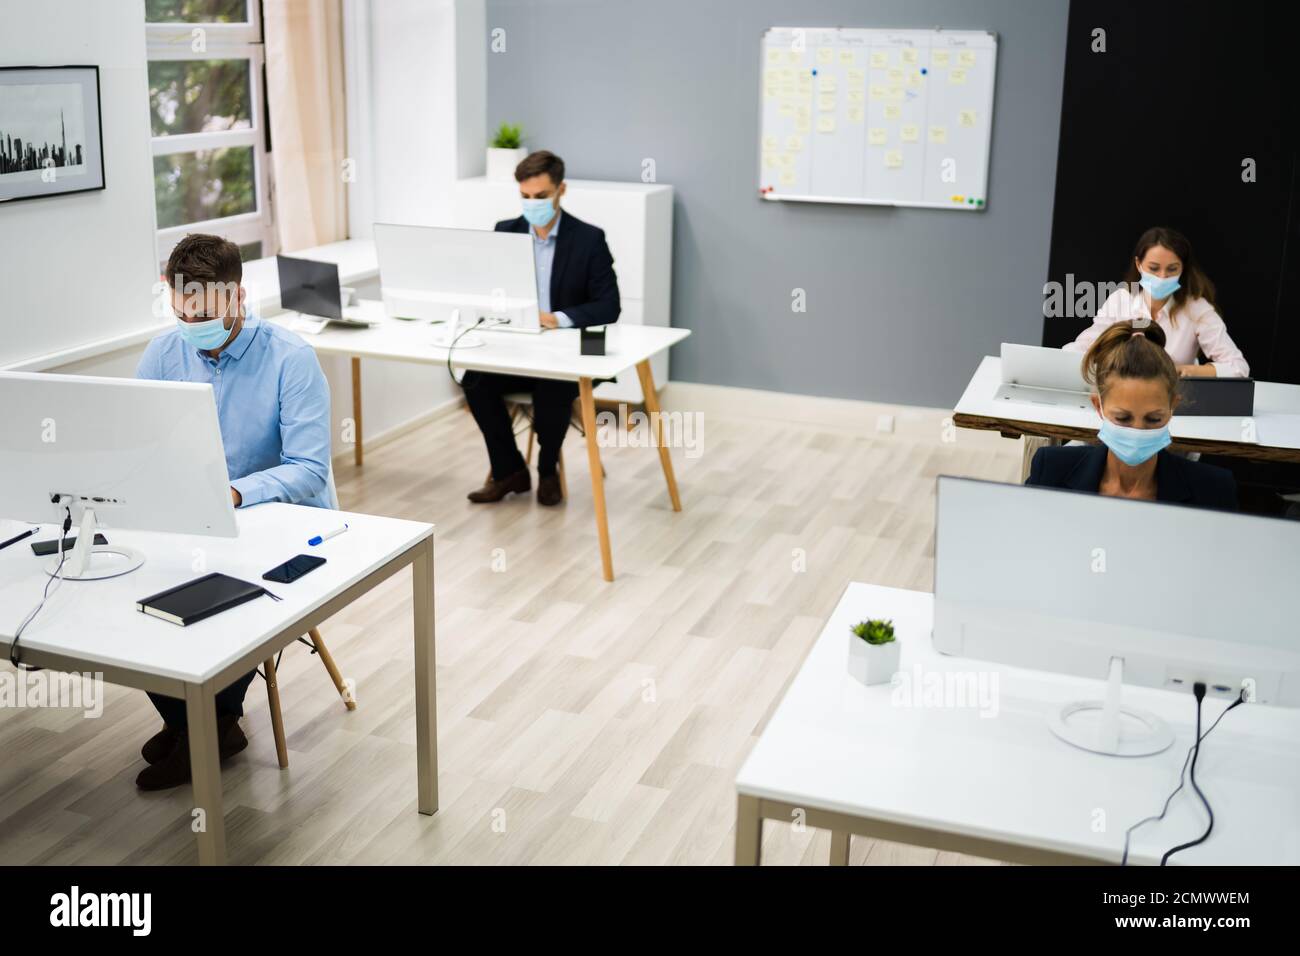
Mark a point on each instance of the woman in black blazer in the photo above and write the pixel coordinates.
(1135, 390)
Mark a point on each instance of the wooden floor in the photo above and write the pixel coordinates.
(579, 721)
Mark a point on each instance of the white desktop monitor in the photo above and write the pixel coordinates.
(1070, 582)
(121, 453)
(431, 273)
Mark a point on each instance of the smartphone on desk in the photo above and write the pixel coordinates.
(45, 548)
(293, 569)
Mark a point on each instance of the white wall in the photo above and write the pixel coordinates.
(416, 87)
(98, 244)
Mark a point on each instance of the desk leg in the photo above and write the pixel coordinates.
(749, 831)
(426, 686)
(588, 402)
(652, 409)
(358, 453)
(840, 841)
(205, 772)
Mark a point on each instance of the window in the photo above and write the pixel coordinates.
(207, 115)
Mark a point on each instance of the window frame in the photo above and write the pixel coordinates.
(223, 41)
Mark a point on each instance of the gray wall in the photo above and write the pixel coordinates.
(901, 303)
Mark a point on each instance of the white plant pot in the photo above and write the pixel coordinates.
(873, 663)
(501, 163)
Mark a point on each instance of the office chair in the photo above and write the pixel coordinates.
(317, 645)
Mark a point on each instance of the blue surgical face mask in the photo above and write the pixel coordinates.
(1158, 287)
(1133, 446)
(539, 212)
(206, 335)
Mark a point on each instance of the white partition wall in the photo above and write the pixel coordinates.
(638, 223)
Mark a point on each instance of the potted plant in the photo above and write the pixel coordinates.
(506, 151)
(873, 652)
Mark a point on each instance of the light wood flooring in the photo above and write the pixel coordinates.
(579, 722)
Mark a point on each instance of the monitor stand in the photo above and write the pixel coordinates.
(1108, 727)
(88, 561)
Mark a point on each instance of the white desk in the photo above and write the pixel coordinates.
(94, 625)
(553, 354)
(1276, 420)
(1004, 786)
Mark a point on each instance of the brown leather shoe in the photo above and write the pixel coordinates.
(160, 745)
(174, 769)
(493, 490)
(548, 490)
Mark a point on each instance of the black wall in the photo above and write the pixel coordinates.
(1154, 131)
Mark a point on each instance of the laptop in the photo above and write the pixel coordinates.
(1032, 375)
(1234, 397)
(312, 289)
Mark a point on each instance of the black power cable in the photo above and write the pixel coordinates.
(14, 657)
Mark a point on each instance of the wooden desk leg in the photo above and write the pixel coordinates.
(277, 719)
(358, 453)
(588, 402)
(749, 831)
(426, 686)
(652, 409)
(840, 842)
(205, 771)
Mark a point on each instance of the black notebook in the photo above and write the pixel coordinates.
(200, 598)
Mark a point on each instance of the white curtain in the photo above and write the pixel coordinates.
(304, 86)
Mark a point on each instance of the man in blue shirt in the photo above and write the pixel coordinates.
(273, 405)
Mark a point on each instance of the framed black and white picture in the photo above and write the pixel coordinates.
(51, 139)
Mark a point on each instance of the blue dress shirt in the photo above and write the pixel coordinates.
(544, 258)
(273, 405)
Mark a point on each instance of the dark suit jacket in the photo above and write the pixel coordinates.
(1079, 467)
(583, 284)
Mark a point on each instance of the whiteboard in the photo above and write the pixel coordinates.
(877, 117)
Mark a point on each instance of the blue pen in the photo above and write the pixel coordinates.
(326, 536)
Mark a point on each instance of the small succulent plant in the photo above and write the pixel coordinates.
(875, 632)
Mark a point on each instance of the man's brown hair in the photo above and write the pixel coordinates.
(541, 162)
(203, 258)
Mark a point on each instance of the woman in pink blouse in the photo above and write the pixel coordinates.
(1166, 286)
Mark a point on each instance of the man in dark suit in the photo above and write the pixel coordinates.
(576, 288)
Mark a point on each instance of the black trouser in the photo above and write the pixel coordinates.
(552, 409)
(229, 701)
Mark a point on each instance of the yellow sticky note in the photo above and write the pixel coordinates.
(893, 111)
(909, 56)
(938, 134)
(846, 57)
(894, 75)
(879, 60)
(957, 76)
(910, 133)
(940, 57)
(786, 160)
(794, 143)
(774, 55)
(857, 96)
(878, 92)
(785, 111)
(966, 58)
(893, 158)
(825, 103)
(825, 55)
(770, 161)
(771, 142)
(802, 125)
(794, 57)
(914, 78)
(855, 78)
(966, 117)
(787, 177)
(896, 94)
(826, 83)
(826, 124)
(855, 114)
(877, 136)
